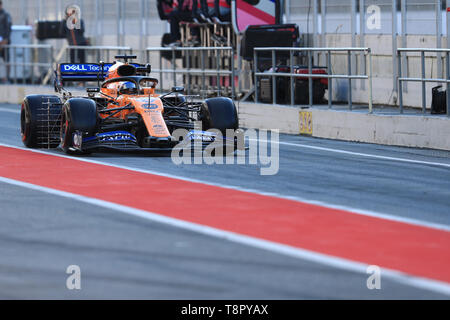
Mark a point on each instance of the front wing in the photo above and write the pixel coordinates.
(123, 141)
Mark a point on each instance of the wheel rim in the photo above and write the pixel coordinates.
(64, 128)
(24, 122)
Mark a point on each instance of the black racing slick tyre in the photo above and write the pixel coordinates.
(78, 115)
(40, 119)
(219, 113)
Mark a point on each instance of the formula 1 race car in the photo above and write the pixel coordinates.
(122, 113)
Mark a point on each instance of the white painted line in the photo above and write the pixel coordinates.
(9, 110)
(340, 263)
(373, 214)
(367, 155)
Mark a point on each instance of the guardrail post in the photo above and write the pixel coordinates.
(188, 67)
(291, 61)
(32, 66)
(174, 67)
(255, 70)
(203, 70)
(447, 73)
(233, 87)
(274, 82)
(218, 71)
(349, 68)
(330, 81)
(400, 84)
(369, 74)
(239, 64)
(422, 66)
(15, 65)
(161, 81)
(22, 69)
(310, 83)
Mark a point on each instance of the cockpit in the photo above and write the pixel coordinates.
(133, 85)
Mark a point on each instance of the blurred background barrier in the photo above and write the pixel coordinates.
(205, 71)
(35, 63)
(440, 100)
(307, 82)
(27, 63)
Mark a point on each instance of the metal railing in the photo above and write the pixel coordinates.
(310, 75)
(34, 63)
(26, 63)
(423, 79)
(210, 63)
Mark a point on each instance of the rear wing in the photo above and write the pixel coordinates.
(85, 72)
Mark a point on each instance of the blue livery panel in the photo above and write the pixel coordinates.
(85, 71)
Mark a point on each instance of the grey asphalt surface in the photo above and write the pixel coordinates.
(127, 257)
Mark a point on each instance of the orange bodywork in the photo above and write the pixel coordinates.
(146, 103)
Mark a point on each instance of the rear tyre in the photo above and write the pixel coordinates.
(219, 113)
(78, 115)
(40, 121)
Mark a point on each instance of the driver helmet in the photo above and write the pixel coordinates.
(128, 88)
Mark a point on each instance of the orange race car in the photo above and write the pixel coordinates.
(122, 113)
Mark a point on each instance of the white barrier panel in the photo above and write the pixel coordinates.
(399, 130)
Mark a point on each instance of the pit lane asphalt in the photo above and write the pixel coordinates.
(125, 257)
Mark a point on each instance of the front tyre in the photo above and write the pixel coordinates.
(78, 116)
(40, 120)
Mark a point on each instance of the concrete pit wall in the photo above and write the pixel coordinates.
(399, 130)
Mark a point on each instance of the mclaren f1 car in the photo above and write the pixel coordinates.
(122, 112)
